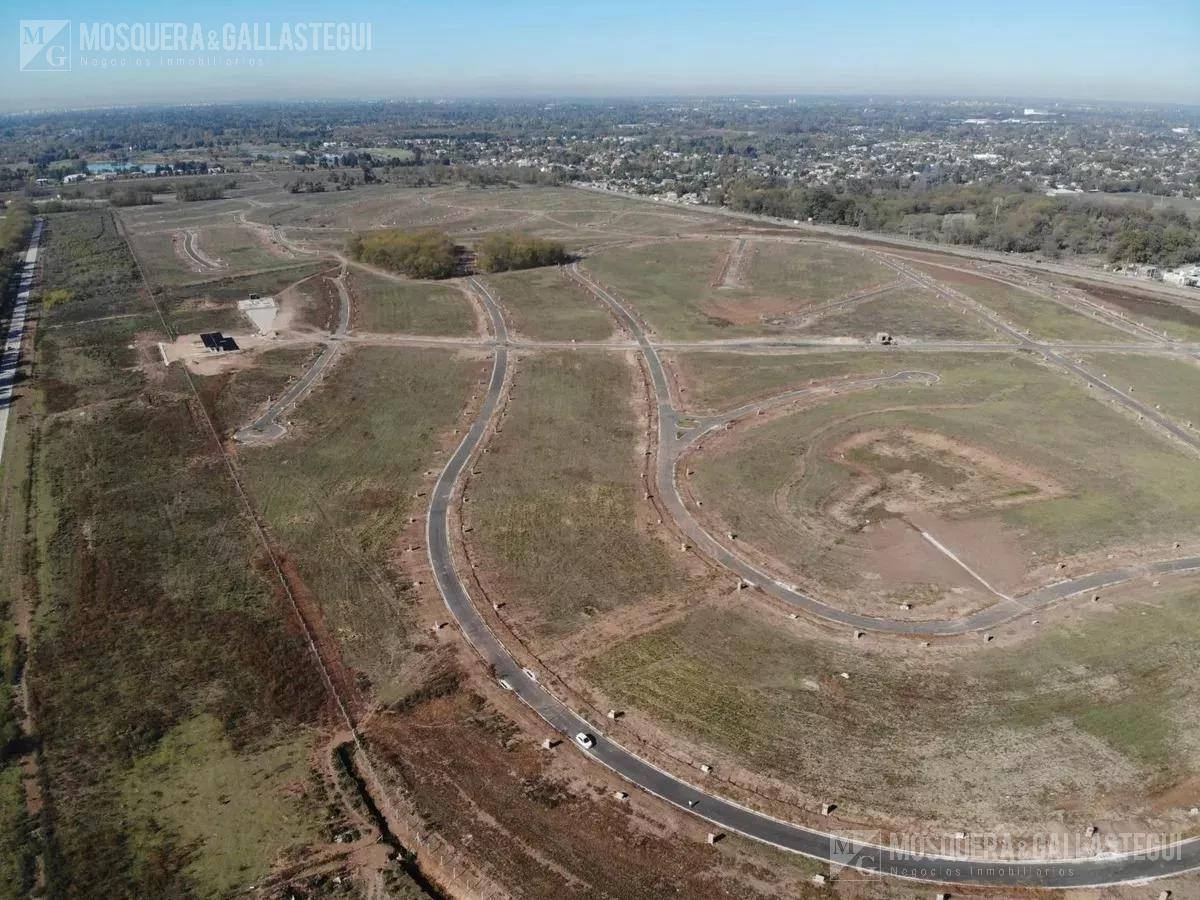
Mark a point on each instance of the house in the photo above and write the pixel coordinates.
(215, 342)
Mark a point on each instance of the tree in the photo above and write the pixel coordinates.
(507, 250)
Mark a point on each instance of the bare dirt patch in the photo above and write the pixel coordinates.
(1138, 303)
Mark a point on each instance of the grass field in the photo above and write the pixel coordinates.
(1173, 384)
(904, 313)
(1081, 718)
(544, 305)
(672, 284)
(717, 381)
(151, 608)
(238, 811)
(1130, 488)
(1043, 318)
(560, 484)
(336, 491)
(380, 304)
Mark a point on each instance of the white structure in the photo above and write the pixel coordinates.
(261, 313)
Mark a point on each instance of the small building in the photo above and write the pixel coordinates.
(215, 342)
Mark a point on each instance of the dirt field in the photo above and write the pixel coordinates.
(835, 492)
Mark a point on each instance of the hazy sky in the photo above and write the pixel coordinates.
(1053, 48)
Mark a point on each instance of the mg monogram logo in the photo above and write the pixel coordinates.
(45, 45)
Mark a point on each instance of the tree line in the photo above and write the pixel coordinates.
(993, 217)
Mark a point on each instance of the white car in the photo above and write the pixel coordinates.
(585, 740)
(530, 674)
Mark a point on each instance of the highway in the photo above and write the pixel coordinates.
(725, 815)
(10, 360)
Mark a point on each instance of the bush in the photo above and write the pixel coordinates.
(418, 254)
(508, 250)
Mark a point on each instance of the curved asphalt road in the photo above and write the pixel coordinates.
(266, 427)
(1172, 860)
(672, 441)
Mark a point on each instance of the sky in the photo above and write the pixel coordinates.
(1097, 50)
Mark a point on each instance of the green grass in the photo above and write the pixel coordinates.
(544, 305)
(1131, 486)
(337, 491)
(237, 810)
(238, 248)
(1173, 384)
(381, 304)
(812, 272)
(16, 863)
(1042, 317)
(670, 283)
(1089, 715)
(554, 508)
(905, 313)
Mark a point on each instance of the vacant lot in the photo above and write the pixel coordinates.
(1181, 323)
(242, 811)
(1083, 724)
(382, 304)
(717, 381)
(1041, 317)
(684, 288)
(555, 508)
(1006, 469)
(151, 608)
(1173, 384)
(337, 491)
(212, 304)
(545, 305)
(904, 313)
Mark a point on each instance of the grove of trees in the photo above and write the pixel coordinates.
(506, 250)
(418, 254)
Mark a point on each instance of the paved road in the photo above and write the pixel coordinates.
(10, 357)
(1053, 355)
(266, 427)
(724, 814)
(672, 440)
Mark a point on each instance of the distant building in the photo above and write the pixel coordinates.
(1187, 276)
